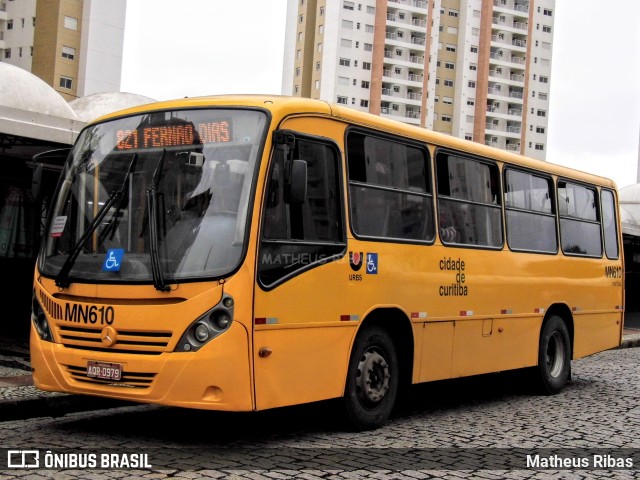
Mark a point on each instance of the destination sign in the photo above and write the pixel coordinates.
(161, 136)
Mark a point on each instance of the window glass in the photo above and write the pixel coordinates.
(468, 201)
(298, 235)
(389, 189)
(579, 220)
(530, 218)
(609, 224)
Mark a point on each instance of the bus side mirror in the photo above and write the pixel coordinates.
(297, 188)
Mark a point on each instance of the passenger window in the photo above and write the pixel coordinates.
(610, 224)
(530, 213)
(389, 189)
(580, 230)
(469, 211)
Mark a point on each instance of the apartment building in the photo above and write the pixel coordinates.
(73, 45)
(474, 69)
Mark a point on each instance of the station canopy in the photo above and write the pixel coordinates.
(630, 209)
(34, 117)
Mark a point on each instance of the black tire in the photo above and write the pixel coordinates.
(554, 356)
(372, 379)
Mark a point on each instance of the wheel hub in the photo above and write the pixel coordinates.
(373, 377)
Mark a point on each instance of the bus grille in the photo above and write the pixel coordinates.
(128, 341)
(54, 309)
(129, 379)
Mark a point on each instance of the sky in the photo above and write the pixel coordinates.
(202, 47)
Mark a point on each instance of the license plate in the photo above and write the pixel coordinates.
(104, 370)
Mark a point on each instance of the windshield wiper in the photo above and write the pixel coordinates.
(115, 218)
(62, 280)
(152, 214)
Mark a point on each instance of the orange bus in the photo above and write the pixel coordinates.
(242, 253)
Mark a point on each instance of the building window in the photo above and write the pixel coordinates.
(348, 5)
(71, 23)
(446, 118)
(548, 12)
(471, 102)
(368, 47)
(33, 20)
(321, 29)
(474, 49)
(7, 53)
(542, 113)
(539, 129)
(299, 36)
(539, 146)
(364, 84)
(473, 67)
(317, 84)
(346, 43)
(447, 100)
(364, 103)
(544, 79)
(448, 83)
(10, 24)
(301, 19)
(546, 28)
(542, 96)
(66, 82)
(317, 66)
(299, 54)
(371, 10)
(449, 65)
(347, 24)
(451, 48)
(296, 89)
(368, 28)
(452, 30)
(345, 62)
(319, 47)
(68, 52)
(343, 81)
(472, 84)
(321, 10)
(297, 69)
(453, 13)
(342, 100)
(366, 65)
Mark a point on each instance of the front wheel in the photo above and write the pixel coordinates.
(554, 356)
(372, 379)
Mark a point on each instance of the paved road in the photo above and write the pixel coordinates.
(482, 427)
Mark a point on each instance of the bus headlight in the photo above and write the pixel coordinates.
(207, 327)
(201, 332)
(39, 320)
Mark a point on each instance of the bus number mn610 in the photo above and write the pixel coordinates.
(89, 314)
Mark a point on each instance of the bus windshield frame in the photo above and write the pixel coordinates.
(160, 197)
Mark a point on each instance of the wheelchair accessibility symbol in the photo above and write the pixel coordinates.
(113, 260)
(372, 263)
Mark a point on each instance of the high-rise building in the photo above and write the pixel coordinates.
(475, 69)
(73, 45)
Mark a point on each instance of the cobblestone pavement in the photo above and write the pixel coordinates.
(482, 427)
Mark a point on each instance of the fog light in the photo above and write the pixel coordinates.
(202, 332)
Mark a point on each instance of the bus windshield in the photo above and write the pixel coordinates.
(161, 197)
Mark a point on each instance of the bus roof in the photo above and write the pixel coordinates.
(284, 106)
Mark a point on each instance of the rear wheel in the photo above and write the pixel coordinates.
(554, 356)
(372, 379)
